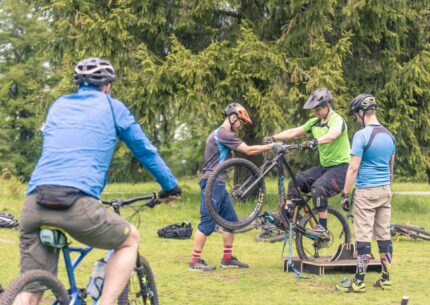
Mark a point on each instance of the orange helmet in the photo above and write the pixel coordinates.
(239, 110)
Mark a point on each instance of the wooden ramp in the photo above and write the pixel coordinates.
(321, 267)
(345, 260)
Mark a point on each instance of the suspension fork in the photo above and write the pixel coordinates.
(266, 167)
(281, 186)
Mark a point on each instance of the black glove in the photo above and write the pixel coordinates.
(176, 191)
(345, 202)
(310, 144)
(268, 140)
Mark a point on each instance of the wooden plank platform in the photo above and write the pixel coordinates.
(320, 267)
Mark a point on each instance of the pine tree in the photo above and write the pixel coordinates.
(24, 72)
(181, 62)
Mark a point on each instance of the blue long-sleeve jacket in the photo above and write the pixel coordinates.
(79, 137)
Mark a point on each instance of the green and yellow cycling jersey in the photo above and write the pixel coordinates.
(336, 152)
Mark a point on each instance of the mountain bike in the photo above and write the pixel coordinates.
(411, 231)
(141, 288)
(244, 182)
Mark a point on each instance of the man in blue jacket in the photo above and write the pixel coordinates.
(79, 138)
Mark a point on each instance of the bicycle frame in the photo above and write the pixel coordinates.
(77, 295)
(280, 162)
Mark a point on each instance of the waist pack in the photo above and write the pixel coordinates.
(178, 230)
(57, 197)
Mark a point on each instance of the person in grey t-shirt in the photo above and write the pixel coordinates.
(219, 144)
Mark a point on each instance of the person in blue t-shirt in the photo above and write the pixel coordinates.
(79, 138)
(371, 167)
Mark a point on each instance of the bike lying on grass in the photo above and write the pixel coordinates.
(411, 231)
(272, 229)
(245, 185)
(140, 289)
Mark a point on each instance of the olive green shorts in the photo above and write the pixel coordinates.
(372, 213)
(87, 221)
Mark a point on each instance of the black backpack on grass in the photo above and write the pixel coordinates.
(178, 231)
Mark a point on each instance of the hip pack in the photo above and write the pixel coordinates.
(57, 197)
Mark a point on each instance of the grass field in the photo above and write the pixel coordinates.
(263, 283)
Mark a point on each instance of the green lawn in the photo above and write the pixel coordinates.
(263, 283)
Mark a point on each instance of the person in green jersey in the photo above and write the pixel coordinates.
(330, 136)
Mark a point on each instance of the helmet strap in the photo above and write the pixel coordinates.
(232, 122)
(362, 117)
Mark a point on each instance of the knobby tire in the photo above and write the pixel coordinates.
(216, 176)
(141, 288)
(345, 235)
(40, 277)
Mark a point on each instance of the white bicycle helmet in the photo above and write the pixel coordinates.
(94, 71)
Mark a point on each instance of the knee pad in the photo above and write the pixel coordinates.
(385, 246)
(363, 248)
(320, 202)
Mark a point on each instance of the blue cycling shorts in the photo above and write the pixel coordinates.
(222, 204)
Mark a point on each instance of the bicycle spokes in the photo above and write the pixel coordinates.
(237, 195)
(324, 246)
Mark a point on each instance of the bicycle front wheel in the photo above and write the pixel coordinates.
(231, 198)
(316, 249)
(141, 288)
(37, 281)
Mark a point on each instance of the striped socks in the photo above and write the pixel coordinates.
(196, 256)
(228, 252)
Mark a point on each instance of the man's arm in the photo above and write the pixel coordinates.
(137, 141)
(329, 137)
(351, 174)
(392, 168)
(130, 132)
(253, 149)
(290, 134)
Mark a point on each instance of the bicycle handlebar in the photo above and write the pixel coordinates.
(292, 146)
(283, 148)
(152, 201)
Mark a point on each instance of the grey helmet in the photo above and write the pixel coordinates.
(318, 98)
(94, 71)
(364, 102)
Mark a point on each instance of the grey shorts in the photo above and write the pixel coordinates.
(372, 213)
(87, 221)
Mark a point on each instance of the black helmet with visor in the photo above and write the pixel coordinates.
(318, 98)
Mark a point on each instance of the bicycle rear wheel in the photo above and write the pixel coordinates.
(36, 280)
(238, 176)
(310, 249)
(141, 288)
(411, 231)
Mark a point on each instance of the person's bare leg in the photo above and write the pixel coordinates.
(28, 298)
(228, 238)
(323, 214)
(199, 240)
(119, 268)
